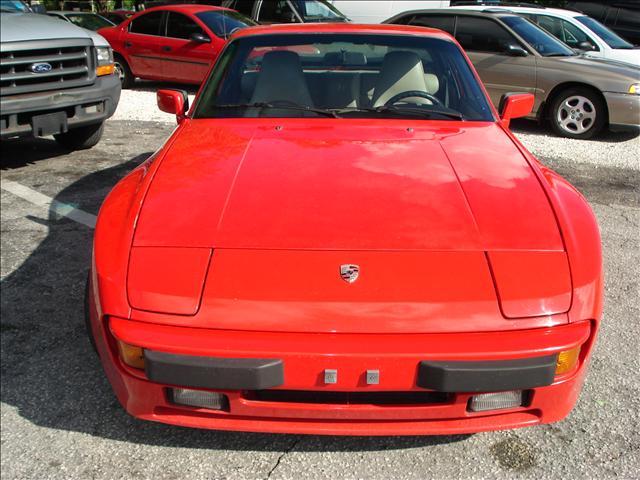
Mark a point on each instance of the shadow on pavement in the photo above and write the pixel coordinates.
(16, 153)
(50, 373)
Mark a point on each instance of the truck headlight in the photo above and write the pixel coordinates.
(105, 61)
(635, 89)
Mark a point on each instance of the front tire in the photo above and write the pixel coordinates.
(578, 112)
(81, 138)
(124, 73)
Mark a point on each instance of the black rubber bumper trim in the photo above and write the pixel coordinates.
(212, 372)
(487, 376)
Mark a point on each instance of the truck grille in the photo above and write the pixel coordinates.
(71, 62)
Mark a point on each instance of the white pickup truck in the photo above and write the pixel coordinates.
(55, 79)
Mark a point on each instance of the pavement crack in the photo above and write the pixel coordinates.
(282, 455)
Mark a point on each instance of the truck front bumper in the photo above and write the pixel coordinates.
(82, 106)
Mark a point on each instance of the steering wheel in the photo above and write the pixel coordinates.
(413, 93)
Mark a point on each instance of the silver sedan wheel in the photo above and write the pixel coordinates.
(576, 114)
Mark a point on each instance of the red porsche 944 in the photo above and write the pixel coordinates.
(343, 237)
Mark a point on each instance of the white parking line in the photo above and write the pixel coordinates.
(42, 200)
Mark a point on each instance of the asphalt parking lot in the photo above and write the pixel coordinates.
(60, 418)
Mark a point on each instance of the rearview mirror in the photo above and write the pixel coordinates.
(199, 38)
(515, 105)
(173, 101)
(514, 50)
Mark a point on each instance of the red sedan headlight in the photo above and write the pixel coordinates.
(531, 283)
(167, 279)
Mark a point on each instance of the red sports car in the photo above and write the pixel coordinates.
(175, 43)
(348, 241)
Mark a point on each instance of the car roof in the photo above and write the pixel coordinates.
(186, 8)
(560, 12)
(486, 11)
(371, 29)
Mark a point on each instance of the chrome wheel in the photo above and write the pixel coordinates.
(119, 72)
(576, 114)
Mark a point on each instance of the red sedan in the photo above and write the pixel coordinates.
(176, 43)
(348, 241)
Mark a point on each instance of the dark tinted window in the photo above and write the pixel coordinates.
(224, 23)
(243, 6)
(562, 30)
(482, 35)
(441, 22)
(147, 24)
(89, 21)
(610, 38)
(181, 26)
(544, 43)
(276, 12)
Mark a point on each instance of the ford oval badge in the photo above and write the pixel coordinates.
(40, 67)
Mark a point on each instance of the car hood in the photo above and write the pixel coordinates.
(17, 27)
(449, 228)
(621, 56)
(606, 74)
(235, 184)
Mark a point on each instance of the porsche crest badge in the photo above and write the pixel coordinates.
(349, 273)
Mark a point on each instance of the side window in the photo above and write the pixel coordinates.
(482, 35)
(441, 22)
(243, 6)
(551, 25)
(276, 12)
(573, 36)
(181, 26)
(147, 24)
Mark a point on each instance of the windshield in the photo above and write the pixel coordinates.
(609, 37)
(543, 43)
(224, 22)
(13, 6)
(318, 11)
(89, 21)
(343, 75)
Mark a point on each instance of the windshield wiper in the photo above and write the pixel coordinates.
(408, 110)
(560, 54)
(283, 105)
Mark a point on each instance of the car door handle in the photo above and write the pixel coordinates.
(128, 44)
(166, 48)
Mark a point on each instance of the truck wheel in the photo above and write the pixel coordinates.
(123, 72)
(577, 112)
(81, 138)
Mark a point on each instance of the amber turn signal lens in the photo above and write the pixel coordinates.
(567, 360)
(131, 355)
(105, 70)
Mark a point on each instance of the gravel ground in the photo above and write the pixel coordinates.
(609, 150)
(59, 418)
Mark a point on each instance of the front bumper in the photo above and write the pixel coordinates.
(82, 106)
(624, 111)
(303, 359)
